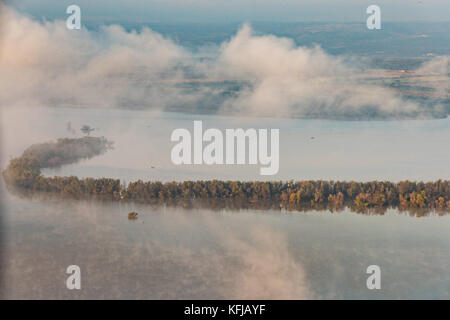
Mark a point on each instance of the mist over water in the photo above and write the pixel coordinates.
(95, 77)
(201, 254)
(171, 252)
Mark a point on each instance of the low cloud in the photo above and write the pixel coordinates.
(45, 64)
(290, 80)
(438, 71)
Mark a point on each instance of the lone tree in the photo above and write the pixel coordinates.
(86, 129)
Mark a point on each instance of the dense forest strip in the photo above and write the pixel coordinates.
(23, 174)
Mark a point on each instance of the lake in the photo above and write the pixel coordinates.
(172, 252)
(309, 149)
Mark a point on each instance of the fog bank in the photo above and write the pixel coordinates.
(45, 64)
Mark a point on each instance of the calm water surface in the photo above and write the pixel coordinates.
(198, 253)
(309, 149)
(203, 254)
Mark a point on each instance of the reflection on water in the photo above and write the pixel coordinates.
(174, 252)
(199, 253)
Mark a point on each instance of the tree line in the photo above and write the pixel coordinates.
(23, 173)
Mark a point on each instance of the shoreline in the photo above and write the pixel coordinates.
(23, 176)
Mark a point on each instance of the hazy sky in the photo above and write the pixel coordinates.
(173, 11)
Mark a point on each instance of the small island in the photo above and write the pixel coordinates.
(132, 215)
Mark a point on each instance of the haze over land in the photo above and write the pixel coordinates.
(226, 11)
(44, 64)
